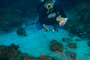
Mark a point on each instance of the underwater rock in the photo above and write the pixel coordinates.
(72, 45)
(72, 55)
(66, 40)
(3, 50)
(12, 46)
(67, 53)
(2, 58)
(88, 43)
(39, 58)
(53, 42)
(28, 23)
(7, 52)
(78, 13)
(9, 19)
(21, 32)
(78, 40)
(27, 58)
(55, 46)
(88, 35)
(46, 58)
(60, 47)
(71, 35)
(12, 53)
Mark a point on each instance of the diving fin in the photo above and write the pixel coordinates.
(78, 32)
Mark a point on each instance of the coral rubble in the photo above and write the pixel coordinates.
(55, 46)
(12, 53)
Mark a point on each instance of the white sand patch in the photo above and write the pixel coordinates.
(38, 42)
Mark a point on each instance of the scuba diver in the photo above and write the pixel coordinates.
(50, 14)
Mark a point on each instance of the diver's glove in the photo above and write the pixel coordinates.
(62, 21)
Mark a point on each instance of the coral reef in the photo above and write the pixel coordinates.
(79, 18)
(55, 46)
(21, 31)
(12, 53)
(88, 43)
(46, 58)
(72, 55)
(12, 13)
(66, 40)
(71, 3)
(71, 35)
(72, 45)
(9, 19)
(78, 40)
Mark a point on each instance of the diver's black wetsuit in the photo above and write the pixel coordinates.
(43, 15)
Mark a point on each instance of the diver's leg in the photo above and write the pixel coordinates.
(39, 26)
(56, 26)
(45, 26)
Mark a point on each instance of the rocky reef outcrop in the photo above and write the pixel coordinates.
(88, 43)
(9, 19)
(55, 46)
(72, 55)
(12, 53)
(64, 48)
(72, 45)
(21, 32)
(13, 12)
(79, 18)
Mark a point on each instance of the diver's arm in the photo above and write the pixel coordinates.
(47, 21)
(61, 11)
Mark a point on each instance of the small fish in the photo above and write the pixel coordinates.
(41, 54)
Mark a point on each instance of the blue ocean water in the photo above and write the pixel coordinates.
(18, 26)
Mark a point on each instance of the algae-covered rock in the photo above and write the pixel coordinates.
(46, 58)
(13, 46)
(71, 35)
(9, 19)
(71, 55)
(78, 39)
(79, 18)
(12, 53)
(21, 31)
(67, 40)
(2, 57)
(55, 46)
(88, 43)
(72, 45)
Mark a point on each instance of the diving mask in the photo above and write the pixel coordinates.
(49, 4)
